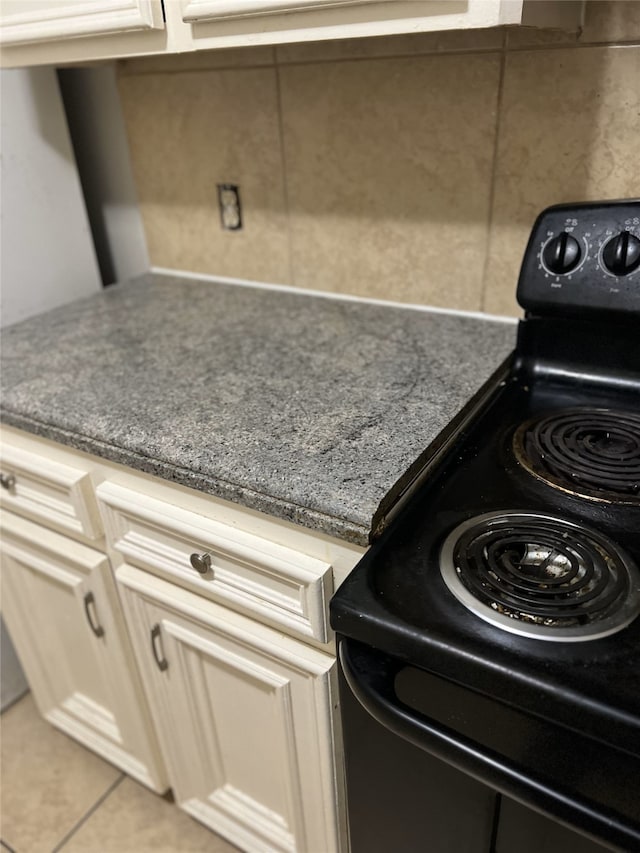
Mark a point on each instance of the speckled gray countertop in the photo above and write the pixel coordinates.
(303, 407)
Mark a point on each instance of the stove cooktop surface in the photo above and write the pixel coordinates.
(576, 574)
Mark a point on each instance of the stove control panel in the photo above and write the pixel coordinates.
(582, 258)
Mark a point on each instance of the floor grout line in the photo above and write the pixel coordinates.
(89, 813)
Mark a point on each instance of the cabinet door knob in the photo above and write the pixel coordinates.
(92, 617)
(7, 481)
(201, 562)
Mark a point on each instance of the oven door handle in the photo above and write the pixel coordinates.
(371, 674)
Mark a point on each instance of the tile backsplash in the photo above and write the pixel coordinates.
(407, 168)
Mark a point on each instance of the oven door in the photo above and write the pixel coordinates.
(430, 759)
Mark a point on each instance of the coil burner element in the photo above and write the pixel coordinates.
(540, 576)
(590, 453)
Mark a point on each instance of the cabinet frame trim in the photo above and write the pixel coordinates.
(90, 18)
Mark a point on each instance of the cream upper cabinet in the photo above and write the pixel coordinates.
(34, 32)
(28, 21)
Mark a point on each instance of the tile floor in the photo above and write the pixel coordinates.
(58, 796)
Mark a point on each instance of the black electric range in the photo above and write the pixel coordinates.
(494, 623)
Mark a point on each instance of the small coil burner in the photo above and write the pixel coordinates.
(591, 453)
(540, 576)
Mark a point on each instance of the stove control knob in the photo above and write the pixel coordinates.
(561, 254)
(621, 255)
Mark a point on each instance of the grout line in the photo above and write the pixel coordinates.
(89, 813)
(285, 181)
(6, 846)
(492, 188)
(205, 69)
(461, 51)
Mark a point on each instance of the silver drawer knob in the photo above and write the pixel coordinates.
(201, 562)
(7, 481)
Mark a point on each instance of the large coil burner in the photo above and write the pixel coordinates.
(590, 453)
(540, 576)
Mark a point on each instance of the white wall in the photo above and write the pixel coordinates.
(46, 249)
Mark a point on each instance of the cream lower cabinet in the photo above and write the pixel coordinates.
(61, 608)
(243, 715)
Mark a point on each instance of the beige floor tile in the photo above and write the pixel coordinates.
(189, 132)
(133, 820)
(48, 781)
(569, 131)
(388, 173)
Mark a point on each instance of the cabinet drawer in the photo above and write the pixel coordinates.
(58, 495)
(278, 584)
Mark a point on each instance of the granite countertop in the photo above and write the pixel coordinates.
(303, 407)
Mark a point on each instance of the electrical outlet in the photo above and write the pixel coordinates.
(229, 204)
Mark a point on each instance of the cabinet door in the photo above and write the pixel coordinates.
(243, 716)
(28, 21)
(60, 605)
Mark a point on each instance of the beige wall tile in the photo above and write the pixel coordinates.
(611, 21)
(527, 37)
(570, 131)
(389, 169)
(48, 781)
(604, 21)
(405, 44)
(199, 60)
(189, 132)
(133, 820)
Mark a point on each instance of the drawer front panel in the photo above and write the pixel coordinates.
(277, 584)
(57, 495)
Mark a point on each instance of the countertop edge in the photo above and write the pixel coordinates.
(250, 499)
